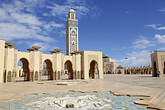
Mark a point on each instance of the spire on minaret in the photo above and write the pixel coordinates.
(71, 6)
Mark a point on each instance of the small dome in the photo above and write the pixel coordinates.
(105, 56)
(71, 10)
(119, 67)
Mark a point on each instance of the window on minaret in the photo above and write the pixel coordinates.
(72, 16)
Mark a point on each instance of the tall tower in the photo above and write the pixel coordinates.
(71, 32)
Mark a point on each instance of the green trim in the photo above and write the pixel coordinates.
(119, 67)
(105, 56)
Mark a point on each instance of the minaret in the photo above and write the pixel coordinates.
(71, 32)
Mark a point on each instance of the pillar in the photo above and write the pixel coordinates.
(58, 63)
(54, 74)
(31, 76)
(2, 55)
(36, 65)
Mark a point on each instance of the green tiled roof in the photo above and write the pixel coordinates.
(105, 56)
(119, 67)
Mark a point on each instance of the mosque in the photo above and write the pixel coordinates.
(79, 64)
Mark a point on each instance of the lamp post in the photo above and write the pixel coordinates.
(101, 49)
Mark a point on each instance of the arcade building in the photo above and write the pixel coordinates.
(79, 64)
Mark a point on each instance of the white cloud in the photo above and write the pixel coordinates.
(26, 18)
(162, 10)
(51, 25)
(62, 10)
(136, 59)
(161, 49)
(151, 25)
(63, 32)
(10, 31)
(57, 10)
(19, 19)
(160, 38)
(46, 14)
(44, 46)
(16, 23)
(73, 2)
(155, 26)
(142, 43)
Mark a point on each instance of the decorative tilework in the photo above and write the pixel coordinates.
(118, 102)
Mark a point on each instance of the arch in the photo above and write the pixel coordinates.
(26, 71)
(22, 55)
(46, 57)
(93, 71)
(108, 69)
(154, 69)
(119, 72)
(69, 68)
(47, 70)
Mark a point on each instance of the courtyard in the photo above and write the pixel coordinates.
(120, 85)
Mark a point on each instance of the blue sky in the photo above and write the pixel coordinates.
(123, 28)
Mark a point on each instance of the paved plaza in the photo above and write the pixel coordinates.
(118, 84)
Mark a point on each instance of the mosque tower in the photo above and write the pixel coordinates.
(71, 33)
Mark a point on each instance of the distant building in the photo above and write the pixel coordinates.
(119, 70)
(109, 65)
(138, 70)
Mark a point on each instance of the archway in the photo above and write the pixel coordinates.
(24, 65)
(93, 71)
(108, 69)
(154, 69)
(68, 70)
(119, 72)
(128, 71)
(47, 72)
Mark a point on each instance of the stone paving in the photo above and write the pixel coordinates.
(131, 85)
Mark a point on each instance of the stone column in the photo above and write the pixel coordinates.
(58, 63)
(78, 75)
(9, 76)
(58, 75)
(40, 74)
(36, 76)
(54, 74)
(31, 75)
(2, 51)
(82, 74)
(74, 74)
(62, 73)
(13, 76)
